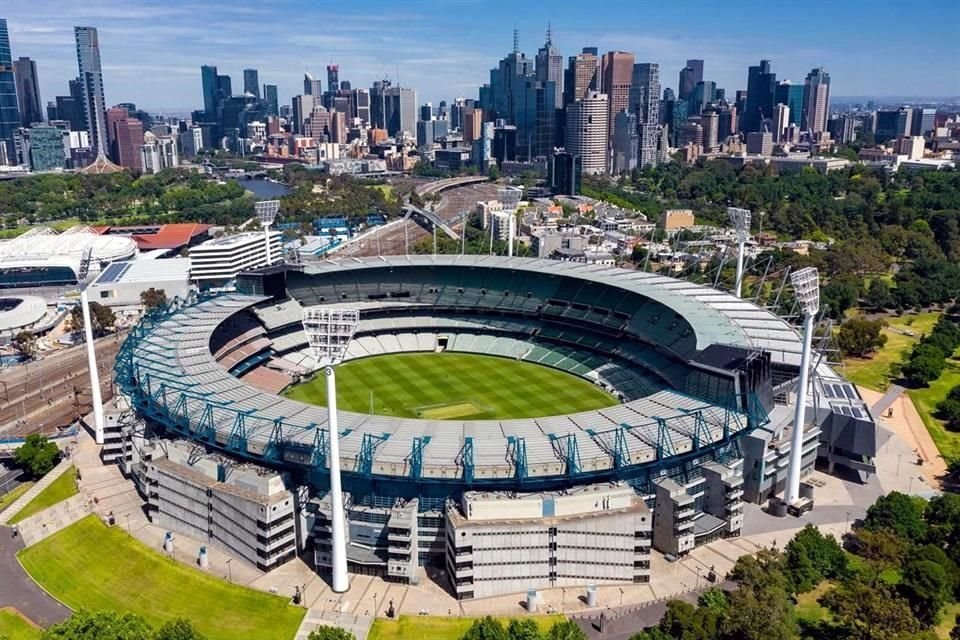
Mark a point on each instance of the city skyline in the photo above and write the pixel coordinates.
(464, 41)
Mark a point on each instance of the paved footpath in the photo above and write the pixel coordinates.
(33, 491)
(18, 590)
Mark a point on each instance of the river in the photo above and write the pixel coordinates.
(264, 189)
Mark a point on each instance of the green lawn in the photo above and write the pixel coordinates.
(11, 496)
(808, 609)
(90, 566)
(446, 386)
(436, 627)
(14, 626)
(874, 372)
(950, 613)
(58, 491)
(926, 400)
(385, 189)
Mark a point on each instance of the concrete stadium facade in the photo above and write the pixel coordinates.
(706, 383)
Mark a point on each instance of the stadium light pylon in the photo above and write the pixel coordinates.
(329, 331)
(741, 223)
(509, 197)
(267, 213)
(806, 286)
(96, 399)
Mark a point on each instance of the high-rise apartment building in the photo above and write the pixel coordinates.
(333, 78)
(549, 67)
(91, 79)
(781, 121)
(816, 101)
(625, 142)
(9, 112)
(273, 102)
(302, 108)
(791, 95)
(710, 121)
(251, 82)
(28, 91)
(616, 75)
(311, 87)
(761, 85)
(127, 134)
(586, 132)
(690, 75)
(44, 148)
(208, 76)
(644, 101)
(581, 76)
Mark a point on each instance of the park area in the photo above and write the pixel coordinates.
(448, 386)
(91, 566)
(13, 626)
(438, 628)
(59, 490)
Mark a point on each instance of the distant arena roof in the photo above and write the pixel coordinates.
(44, 248)
(159, 236)
(19, 312)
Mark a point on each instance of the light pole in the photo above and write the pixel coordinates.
(806, 286)
(229, 570)
(267, 213)
(741, 223)
(509, 197)
(329, 331)
(374, 605)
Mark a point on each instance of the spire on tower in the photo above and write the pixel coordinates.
(549, 34)
(516, 40)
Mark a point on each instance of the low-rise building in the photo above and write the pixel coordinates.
(121, 283)
(676, 219)
(217, 261)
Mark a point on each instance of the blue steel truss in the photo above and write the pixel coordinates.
(517, 453)
(368, 447)
(566, 448)
(416, 456)
(465, 460)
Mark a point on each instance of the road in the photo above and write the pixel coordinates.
(394, 239)
(42, 396)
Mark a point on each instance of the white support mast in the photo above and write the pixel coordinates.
(96, 398)
(267, 212)
(329, 332)
(741, 223)
(806, 286)
(509, 198)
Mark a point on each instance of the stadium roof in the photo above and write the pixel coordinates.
(145, 271)
(17, 312)
(44, 247)
(165, 236)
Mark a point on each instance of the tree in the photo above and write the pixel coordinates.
(927, 588)
(810, 557)
(37, 455)
(26, 344)
(925, 365)
(566, 630)
(860, 337)
(869, 611)
(760, 609)
(179, 629)
(486, 628)
(153, 298)
(955, 632)
(523, 629)
(899, 513)
(330, 633)
(99, 625)
(103, 318)
(881, 549)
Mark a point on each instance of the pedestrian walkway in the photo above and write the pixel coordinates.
(35, 490)
(53, 519)
(19, 591)
(359, 626)
(888, 399)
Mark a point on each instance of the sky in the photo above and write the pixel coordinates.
(152, 50)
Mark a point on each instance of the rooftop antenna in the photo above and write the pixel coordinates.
(549, 34)
(741, 223)
(516, 40)
(806, 287)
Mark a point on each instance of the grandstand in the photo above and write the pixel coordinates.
(694, 369)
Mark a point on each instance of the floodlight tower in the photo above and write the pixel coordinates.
(509, 197)
(741, 222)
(329, 331)
(267, 213)
(95, 397)
(806, 287)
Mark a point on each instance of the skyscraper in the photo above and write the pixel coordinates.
(625, 142)
(791, 95)
(616, 74)
(587, 132)
(549, 67)
(91, 79)
(761, 84)
(208, 75)
(251, 82)
(644, 100)
(311, 87)
(273, 103)
(28, 91)
(302, 108)
(581, 76)
(224, 88)
(9, 113)
(401, 110)
(333, 78)
(690, 75)
(816, 101)
(361, 102)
